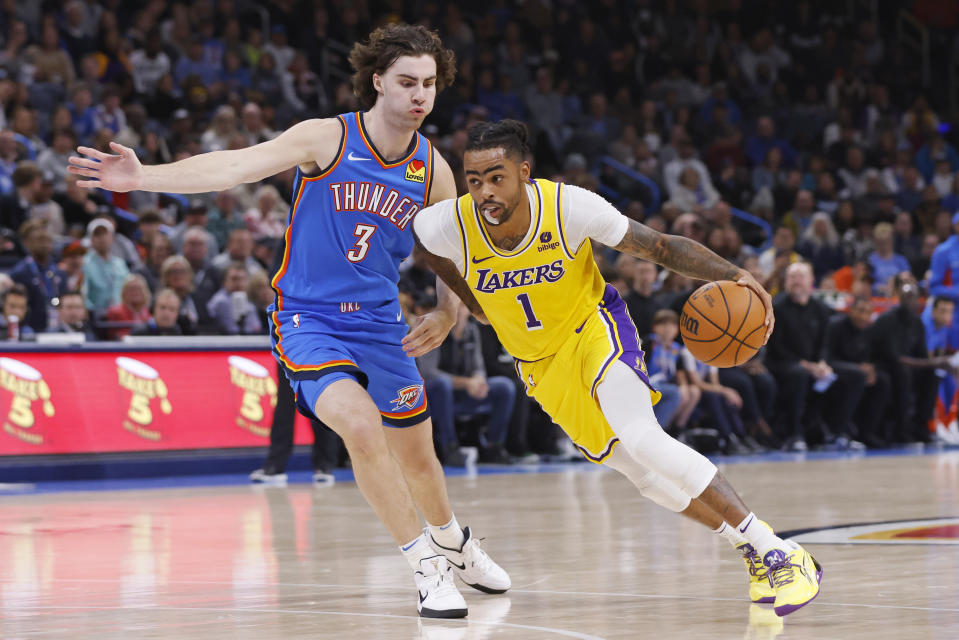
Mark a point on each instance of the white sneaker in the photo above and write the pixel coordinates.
(439, 597)
(262, 477)
(322, 479)
(473, 565)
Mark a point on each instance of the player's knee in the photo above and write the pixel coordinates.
(363, 436)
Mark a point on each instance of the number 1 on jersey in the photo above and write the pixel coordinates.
(532, 322)
(363, 232)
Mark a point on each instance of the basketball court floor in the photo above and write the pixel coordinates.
(590, 559)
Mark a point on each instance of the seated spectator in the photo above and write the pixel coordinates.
(206, 279)
(665, 366)
(884, 261)
(239, 248)
(225, 217)
(758, 146)
(692, 194)
(268, 217)
(848, 344)
(13, 324)
(721, 403)
(133, 309)
(639, 298)
(457, 385)
(800, 216)
(774, 260)
(79, 205)
(230, 307)
(15, 206)
(108, 114)
(39, 274)
(686, 158)
(899, 345)
(820, 245)
(222, 128)
(261, 294)
(71, 264)
(158, 250)
(194, 216)
(416, 277)
(757, 388)
(73, 317)
(103, 273)
(176, 274)
(55, 159)
(166, 313)
(796, 357)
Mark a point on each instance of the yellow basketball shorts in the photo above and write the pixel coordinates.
(565, 384)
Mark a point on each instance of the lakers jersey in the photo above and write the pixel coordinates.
(350, 226)
(537, 295)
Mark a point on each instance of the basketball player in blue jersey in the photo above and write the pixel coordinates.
(336, 323)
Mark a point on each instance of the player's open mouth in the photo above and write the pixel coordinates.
(491, 211)
(417, 111)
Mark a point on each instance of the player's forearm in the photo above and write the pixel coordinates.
(676, 253)
(446, 300)
(213, 171)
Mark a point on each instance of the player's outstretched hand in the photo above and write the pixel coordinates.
(746, 279)
(120, 172)
(429, 331)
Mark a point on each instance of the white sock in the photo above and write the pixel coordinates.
(448, 535)
(417, 549)
(729, 532)
(762, 539)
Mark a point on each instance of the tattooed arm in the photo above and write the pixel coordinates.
(691, 259)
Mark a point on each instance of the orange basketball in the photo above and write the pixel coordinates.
(722, 324)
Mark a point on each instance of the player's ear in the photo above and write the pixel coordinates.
(377, 83)
(524, 171)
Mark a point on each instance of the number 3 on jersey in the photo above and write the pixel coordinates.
(363, 233)
(532, 322)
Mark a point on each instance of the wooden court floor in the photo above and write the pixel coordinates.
(589, 559)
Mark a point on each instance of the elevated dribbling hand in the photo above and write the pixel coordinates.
(746, 279)
(429, 331)
(121, 172)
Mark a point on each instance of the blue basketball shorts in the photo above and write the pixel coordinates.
(317, 347)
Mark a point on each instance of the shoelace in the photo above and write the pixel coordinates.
(756, 566)
(477, 557)
(780, 575)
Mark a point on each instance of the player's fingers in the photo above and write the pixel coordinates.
(89, 184)
(93, 153)
(120, 149)
(77, 161)
(80, 171)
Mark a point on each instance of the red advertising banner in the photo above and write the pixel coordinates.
(96, 402)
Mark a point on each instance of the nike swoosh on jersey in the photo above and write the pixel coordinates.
(356, 158)
(478, 260)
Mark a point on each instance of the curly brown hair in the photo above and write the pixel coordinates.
(390, 42)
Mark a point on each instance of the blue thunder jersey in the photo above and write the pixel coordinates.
(351, 225)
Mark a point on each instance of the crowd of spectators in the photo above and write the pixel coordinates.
(687, 115)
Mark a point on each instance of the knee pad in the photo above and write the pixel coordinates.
(626, 403)
(650, 484)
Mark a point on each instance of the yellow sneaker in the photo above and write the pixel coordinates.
(795, 576)
(760, 591)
